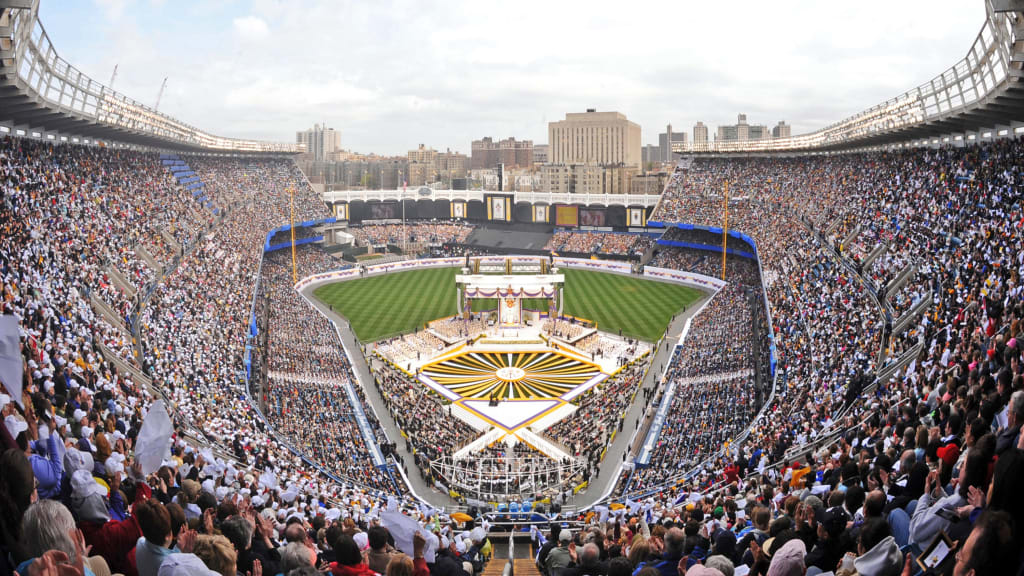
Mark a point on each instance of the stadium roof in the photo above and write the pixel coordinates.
(41, 90)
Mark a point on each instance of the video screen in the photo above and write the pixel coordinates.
(386, 211)
(567, 216)
(590, 217)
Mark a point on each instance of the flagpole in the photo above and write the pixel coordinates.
(725, 227)
(291, 191)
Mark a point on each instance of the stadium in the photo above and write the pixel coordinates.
(210, 366)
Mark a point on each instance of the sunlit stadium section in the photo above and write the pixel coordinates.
(982, 89)
(40, 89)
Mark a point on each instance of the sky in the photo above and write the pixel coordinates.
(392, 74)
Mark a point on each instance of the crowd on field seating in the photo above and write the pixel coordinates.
(588, 242)
(565, 328)
(600, 413)
(430, 430)
(495, 472)
(457, 328)
(435, 232)
(413, 347)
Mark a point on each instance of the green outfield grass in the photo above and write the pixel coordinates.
(640, 308)
(384, 306)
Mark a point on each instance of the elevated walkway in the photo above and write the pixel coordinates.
(480, 443)
(542, 444)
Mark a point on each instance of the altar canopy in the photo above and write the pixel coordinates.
(510, 291)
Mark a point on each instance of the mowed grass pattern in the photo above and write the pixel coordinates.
(640, 308)
(384, 306)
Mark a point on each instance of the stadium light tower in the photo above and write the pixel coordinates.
(291, 195)
(725, 227)
(402, 200)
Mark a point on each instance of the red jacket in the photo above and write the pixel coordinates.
(360, 569)
(115, 539)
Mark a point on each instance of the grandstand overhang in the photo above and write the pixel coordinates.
(42, 92)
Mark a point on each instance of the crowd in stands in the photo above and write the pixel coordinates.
(415, 232)
(75, 498)
(915, 456)
(305, 394)
(945, 207)
(586, 242)
(715, 393)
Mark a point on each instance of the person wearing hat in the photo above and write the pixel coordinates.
(926, 521)
(789, 559)
(559, 557)
(828, 549)
(112, 539)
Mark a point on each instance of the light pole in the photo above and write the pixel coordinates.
(401, 199)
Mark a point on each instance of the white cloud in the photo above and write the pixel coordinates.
(112, 8)
(250, 28)
(394, 73)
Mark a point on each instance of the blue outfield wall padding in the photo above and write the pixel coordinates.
(282, 245)
(284, 227)
(708, 247)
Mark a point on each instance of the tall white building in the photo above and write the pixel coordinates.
(591, 137)
(320, 143)
(700, 134)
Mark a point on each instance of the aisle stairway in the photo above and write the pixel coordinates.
(525, 567)
(495, 567)
(520, 567)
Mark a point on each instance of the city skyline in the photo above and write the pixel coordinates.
(393, 75)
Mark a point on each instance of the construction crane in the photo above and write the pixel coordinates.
(112, 78)
(160, 95)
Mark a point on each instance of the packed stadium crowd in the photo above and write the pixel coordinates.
(415, 232)
(308, 374)
(915, 456)
(619, 243)
(599, 416)
(74, 494)
(715, 393)
(430, 430)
